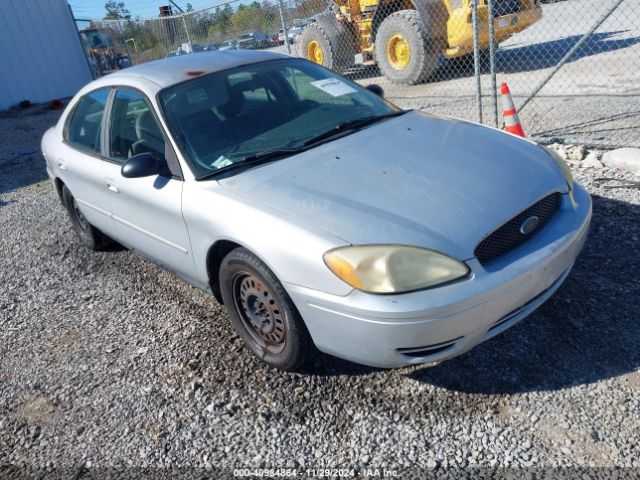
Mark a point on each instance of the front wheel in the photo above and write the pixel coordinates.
(262, 313)
(404, 52)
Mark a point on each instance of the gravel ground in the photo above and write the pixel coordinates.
(111, 366)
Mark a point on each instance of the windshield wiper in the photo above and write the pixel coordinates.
(254, 159)
(270, 155)
(350, 125)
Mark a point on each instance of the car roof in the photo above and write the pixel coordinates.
(170, 71)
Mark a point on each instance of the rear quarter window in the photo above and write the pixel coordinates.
(85, 122)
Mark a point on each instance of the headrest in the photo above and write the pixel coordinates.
(235, 104)
(201, 94)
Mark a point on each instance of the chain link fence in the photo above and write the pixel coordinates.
(574, 65)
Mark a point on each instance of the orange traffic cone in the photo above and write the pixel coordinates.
(511, 120)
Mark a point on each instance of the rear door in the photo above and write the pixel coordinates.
(79, 161)
(147, 212)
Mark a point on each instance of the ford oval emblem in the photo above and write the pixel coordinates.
(529, 225)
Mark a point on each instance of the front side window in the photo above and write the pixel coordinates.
(85, 123)
(134, 128)
(225, 117)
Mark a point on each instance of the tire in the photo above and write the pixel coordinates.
(262, 313)
(90, 236)
(404, 52)
(333, 43)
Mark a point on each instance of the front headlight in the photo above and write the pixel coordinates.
(566, 172)
(564, 168)
(393, 268)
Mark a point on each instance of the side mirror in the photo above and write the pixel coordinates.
(141, 165)
(377, 89)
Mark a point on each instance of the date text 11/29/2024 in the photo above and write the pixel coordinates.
(314, 472)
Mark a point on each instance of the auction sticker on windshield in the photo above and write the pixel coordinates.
(333, 87)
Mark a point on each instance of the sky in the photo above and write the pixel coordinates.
(94, 9)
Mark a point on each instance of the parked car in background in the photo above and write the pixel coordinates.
(176, 53)
(228, 45)
(294, 33)
(297, 28)
(253, 40)
(317, 212)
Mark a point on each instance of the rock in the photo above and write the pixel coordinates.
(559, 149)
(623, 159)
(592, 160)
(534, 418)
(576, 153)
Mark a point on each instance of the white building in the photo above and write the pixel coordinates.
(41, 57)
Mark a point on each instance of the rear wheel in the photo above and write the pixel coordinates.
(327, 43)
(403, 50)
(262, 313)
(90, 236)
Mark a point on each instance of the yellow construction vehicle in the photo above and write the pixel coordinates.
(406, 38)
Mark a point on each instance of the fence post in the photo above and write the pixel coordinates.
(284, 27)
(476, 57)
(124, 43)
(184, 22)
(492, 62)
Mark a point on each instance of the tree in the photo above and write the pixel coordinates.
(144, 37)
(189, 7)
(116, 11)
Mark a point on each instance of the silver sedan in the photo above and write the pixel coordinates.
(319, 213)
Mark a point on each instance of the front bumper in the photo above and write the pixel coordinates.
(433, 325)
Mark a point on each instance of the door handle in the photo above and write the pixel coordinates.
(111, 185)
(61, 165)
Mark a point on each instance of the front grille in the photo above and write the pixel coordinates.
(505, 7)
(509, 236)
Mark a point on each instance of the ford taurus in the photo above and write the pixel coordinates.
(320, 214)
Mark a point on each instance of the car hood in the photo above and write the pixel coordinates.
(416, 179)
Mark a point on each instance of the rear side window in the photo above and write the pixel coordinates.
(85, 124)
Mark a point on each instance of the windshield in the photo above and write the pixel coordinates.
(225, 117)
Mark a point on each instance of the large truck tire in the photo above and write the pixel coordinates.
(404, 51)
(328, 43)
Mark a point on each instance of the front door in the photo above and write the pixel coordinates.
(147, 212)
